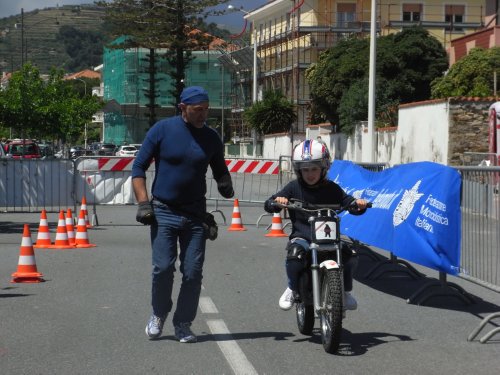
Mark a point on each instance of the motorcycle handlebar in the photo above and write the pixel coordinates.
(307, 207)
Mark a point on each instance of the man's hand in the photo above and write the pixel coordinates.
(145, 213)
(225, 186)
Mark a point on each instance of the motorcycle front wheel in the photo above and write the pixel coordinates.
(305, 318)
(331, 300)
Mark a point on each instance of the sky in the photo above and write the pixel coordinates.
(13, 7)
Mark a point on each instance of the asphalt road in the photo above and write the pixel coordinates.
(88, 317)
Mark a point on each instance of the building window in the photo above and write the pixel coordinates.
(454, 15)
(412, 12)
(346, 14)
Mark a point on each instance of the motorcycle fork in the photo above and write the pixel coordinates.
(315, 276)
(316, 285)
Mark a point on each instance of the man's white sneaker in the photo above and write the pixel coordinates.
(350, 302)
(287, 299)
(154, 326)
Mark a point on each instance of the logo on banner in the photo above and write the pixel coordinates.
(406, 204)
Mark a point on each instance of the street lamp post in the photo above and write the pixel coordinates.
(254, 86)
(85, 94)
(222, 101)
(24, 44)
(371, 82)
(22, 37)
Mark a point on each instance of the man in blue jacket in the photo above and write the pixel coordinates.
(182, 148)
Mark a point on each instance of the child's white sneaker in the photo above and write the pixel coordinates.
(287, 300)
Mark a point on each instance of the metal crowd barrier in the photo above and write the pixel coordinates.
(480, 250)
(57, 184)
(29, 185)
(252, 183)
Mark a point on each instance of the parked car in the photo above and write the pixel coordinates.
(106, 149)
(126, 150)
(27, 149)
(95, 147)
(46, 150)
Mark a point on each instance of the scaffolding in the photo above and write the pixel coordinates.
(290, 38)
(126, 83)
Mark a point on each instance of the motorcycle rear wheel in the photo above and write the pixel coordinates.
(331, 300)
(305, 318)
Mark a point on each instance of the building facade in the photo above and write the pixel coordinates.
(288, 36)
(126, 81)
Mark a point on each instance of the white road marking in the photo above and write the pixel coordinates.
(207, 306)
(230, 349)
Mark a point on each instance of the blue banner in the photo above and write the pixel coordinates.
(415, 214)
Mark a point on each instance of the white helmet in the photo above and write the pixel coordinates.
(311, 152)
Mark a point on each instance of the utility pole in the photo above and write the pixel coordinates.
(371, 82)
(22, 37)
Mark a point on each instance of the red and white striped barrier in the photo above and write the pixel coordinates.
(115, 164)
(252, 166)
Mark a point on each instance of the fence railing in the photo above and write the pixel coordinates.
(480, 250)
(30, 185)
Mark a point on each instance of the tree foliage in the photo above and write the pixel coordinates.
(169, 24)
(472, 75)
(83, 46)
(273, 114)
(407, 62)
(51, 108)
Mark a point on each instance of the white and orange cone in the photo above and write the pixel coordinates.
(43, 236)
(82, 238)
(236, 224)
(276, 227)
(27, 271)
(83, 208)
(70, 228)
(61, 241)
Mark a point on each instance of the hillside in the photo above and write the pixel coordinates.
(40, 31)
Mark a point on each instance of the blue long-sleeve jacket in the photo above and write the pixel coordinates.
(182, 154)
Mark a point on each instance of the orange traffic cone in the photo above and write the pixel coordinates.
(86, 213)
(61, 241)
(43, 236)
(26, 268)
(82, 238)
(276, 227)
(70, 228)
(236, 224)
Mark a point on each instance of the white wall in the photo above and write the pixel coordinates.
(279, 145)
(385, 145)
(421, 135)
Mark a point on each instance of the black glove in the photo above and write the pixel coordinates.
(270, 207)
(210, 226)
(225, 186)
(145, 213)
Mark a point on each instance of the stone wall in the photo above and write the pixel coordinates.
(468, 128)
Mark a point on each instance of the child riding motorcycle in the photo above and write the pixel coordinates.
(311, 161)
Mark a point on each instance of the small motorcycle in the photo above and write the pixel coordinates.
(321, 285)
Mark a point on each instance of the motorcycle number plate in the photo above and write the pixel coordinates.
(325, 230)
